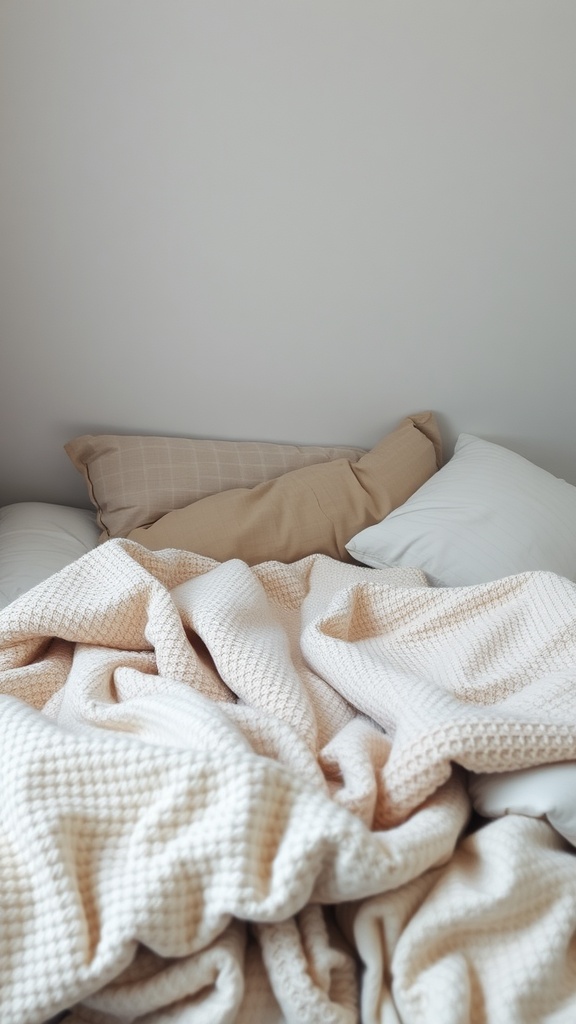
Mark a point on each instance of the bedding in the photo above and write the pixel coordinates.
(250, 792)
(134, 482)
(547, 791)
(37, 539)
(134, 479)
(488, 513)
(226, 785)
(314, 509)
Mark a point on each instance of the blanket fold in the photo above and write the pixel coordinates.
(225, 787)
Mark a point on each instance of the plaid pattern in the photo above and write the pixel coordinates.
(134, 480)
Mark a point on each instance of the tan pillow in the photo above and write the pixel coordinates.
(133, 480)
(313, 509)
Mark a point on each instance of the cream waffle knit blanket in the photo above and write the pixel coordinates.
(224, 788)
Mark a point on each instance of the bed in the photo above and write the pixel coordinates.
(288, 736)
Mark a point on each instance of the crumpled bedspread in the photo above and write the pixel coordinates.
(235, 794)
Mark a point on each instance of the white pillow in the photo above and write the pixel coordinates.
(37, 539)
(488, 513)
(547, 791)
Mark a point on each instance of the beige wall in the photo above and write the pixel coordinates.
(287, 220)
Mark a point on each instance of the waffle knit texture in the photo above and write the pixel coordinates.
(225, 788)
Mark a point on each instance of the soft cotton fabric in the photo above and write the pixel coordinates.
(487, 514)
(222, 783)
(547, 791)
(37, 539)
(311, 510)
(136, 479)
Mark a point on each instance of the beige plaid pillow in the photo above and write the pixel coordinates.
(134, 480)
(314, 509)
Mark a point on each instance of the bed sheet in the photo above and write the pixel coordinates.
(38, 538)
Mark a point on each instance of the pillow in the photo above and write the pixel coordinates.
(134, 480)
(487, 514)
(546, 791)
(38, 539)
(312, 509)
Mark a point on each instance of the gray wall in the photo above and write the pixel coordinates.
(290, 220)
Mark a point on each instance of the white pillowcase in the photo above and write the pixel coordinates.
(488, 513)
(37, 539)
(547, 791)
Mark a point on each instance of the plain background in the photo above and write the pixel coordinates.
(289, 221)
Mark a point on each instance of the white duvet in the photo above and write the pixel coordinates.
(229, 794)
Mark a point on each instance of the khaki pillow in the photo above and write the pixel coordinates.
(133, 480)
(312, 509)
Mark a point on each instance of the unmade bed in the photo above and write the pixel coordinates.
(288, 736)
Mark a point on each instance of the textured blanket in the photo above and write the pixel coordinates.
(236, 794)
